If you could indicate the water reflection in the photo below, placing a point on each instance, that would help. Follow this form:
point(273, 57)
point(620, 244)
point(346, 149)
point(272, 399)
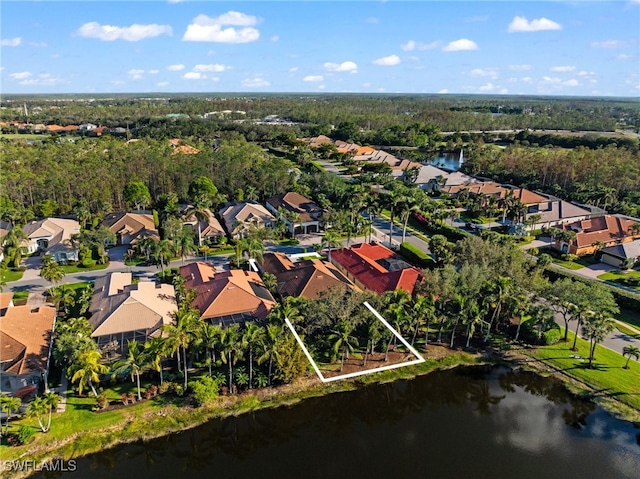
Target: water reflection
point(467, 422)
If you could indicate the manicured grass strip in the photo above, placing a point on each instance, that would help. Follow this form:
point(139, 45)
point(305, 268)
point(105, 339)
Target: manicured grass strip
point(20, 296)
point(629, 316)
point(13, 275)
point(568, 264)
point(627, 331)
point(607, 376)
point(616, 275)
point(72, 268)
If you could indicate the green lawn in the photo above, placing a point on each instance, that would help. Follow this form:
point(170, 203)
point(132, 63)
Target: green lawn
point(13, 274)
point(567, 264)
point(607, 376)
point(20, 296)
point(23, 136)
point(72, 268)
point(621, 277)
point(628, 316)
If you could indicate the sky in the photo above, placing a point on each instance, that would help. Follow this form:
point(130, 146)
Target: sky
point(579, 48)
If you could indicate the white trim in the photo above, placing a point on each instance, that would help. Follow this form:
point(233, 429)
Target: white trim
point(419, 359)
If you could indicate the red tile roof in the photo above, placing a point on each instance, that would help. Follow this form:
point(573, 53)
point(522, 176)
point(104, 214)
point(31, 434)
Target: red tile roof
point(376, 267)
point(607, 229)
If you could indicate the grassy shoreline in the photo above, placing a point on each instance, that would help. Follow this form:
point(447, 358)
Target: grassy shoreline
point(140, 423)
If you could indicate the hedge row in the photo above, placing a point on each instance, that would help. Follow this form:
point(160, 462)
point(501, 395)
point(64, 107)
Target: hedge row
point(415, 255)
point(625, 299)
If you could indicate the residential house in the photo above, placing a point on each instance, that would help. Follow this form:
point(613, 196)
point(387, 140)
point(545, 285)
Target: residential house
point(595, 233)
point(227, 297)
point(308, 277)
point(488, 188)
point(130, 228)
point(431, 178)
point(555, 212)
point(623, 256)
point(375, 267)
point(6, 301)
point(304, 215)
point(178, 147)
point(52, 236)
point(122, 311)
point(315, 142)
point(25, 336)
point(240, 216)
point(210, 229)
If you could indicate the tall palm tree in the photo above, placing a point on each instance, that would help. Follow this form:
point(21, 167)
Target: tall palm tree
point(146, 246)
point(13, 248)
point(9, 405)
point(156, 351)
point(630, 351)
point(181, 333)
point(184, 244)
point(392, 201)
point(500, 289)
point(86, 369)
point(51, 270)
point(343, 341)
point(162, 254)
point(199, 210)
point(135, 363)
point(596, 327)
point(232, 349)
point(252, 337)
point(270, 346)
point(209, 337)
point(330, 240)
point(63, 295)
point(423, 308)
point(42, 406)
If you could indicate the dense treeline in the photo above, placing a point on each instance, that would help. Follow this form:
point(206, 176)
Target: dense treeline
point(368, 112)
point(606, 177)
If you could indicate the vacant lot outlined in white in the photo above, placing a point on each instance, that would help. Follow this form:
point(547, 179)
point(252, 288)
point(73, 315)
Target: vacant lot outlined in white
point(419, 359)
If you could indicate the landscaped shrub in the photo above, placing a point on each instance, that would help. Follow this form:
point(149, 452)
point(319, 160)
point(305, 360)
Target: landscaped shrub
point(534, 251)
point(205, 391)
point(552, 336)
point(25, 434)
point(569, 257)
point(415, 255)
point(164, 388)
point(102, 401)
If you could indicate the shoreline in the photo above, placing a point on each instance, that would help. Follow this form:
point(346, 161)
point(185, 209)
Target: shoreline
point(171, 419)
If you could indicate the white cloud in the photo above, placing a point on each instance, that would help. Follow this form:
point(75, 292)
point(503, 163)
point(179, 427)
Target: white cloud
point(11, 42)
point(366, 85)
point(572, 82)
point(321, 87)
point(38, 44)
point(487, 87)
point(387, 61)
point(153, 72)
point(255, 82)
point(461, 45)
point(217, 67)
point(194, 76)
point(563, 69)
point(526, 79)
point(519, 68)
point(521, 24)
point(209, 29)
point(135, 74)
point(313, 78)
point(609, 44)
point(175, 68)
point(275, 38)
point(20, 75)
point(293, 69)
point(45, 79)
point(347, 66)
point(117, 82)
point(412, 45)
point(624, 56)
point(162, 83)
point(584, 73)
point(443, 91)
point(490, 72)
point(133, 33)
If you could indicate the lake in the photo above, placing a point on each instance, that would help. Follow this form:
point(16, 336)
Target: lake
point(467, 422)
point(447, 160)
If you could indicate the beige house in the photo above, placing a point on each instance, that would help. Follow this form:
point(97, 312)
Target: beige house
point(51, 236)
point(623, 256)
point(240, 216)
point(131, 227)
point(307, 214)
point(210, 230)
point(122, 311)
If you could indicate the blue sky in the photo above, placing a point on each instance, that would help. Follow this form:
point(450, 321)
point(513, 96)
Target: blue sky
point(585, 48)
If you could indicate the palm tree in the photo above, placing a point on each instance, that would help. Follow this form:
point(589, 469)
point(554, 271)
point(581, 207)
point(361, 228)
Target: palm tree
point(146, 246)
point(330, 240)
point(41, 406)
point(423, 307)
point(231, 349)
point(500, 290)
point(270, 346)
point(630, 351)
point(392, 201)
point(209, 337)
point(162, 253)
point(51, 270)
point(241, 245)
point(255, 249)
point(86, 369)
point(65, 295)
point(9, 405)
point(156, 351)
point(596, 327)
point(199, 210)
point(184, 244)
point(181, 333)
point(252, 337)
point(135, 363)
point(407, 207)
point(13, 248)
point(342, 340)
point(372, 329)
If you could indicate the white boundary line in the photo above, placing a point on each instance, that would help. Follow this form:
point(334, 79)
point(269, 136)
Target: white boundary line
point(419, 359)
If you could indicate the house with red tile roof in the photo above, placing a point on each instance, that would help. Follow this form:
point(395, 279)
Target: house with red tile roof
point(375, 267)
point(227, 297)
point(593, 233)
point(308, 277)
point(25, 336)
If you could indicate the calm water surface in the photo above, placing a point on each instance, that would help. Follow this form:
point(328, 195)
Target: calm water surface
point(448, 161)
point(465, 423)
